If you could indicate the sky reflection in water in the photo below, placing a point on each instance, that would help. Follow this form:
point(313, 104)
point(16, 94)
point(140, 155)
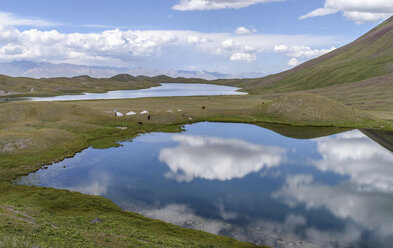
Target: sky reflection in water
point(166, 89)
point(246, 182)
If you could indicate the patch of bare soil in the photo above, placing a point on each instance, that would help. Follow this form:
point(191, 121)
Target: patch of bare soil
point(15, 145)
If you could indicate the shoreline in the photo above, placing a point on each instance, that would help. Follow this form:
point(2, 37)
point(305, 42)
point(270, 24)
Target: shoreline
point(78, 125)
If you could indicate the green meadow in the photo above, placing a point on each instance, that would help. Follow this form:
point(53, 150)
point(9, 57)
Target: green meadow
point(349, 88)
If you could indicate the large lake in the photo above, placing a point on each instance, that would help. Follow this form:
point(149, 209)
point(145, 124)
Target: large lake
point(166, 89)
point(246, 182)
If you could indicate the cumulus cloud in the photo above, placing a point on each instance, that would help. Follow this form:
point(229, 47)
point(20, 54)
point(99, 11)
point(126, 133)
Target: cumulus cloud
point(52, 45)
point(243, 56)
point(305, 52)
point(293, 62)
point(120, 48)
point(185, 5)
point(228, 44)
point(216, 158)
point(300, 52)
point(357, 10)
point(237, 51)
point(9, 19)
point(244, 31)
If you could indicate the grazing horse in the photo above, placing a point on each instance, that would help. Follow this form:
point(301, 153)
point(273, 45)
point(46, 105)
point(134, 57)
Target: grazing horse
point(203, 107)
point(140, 123)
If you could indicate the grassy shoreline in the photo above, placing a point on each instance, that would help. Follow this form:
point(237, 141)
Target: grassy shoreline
point(346, 88)
point(71, 212)
point(33, 134)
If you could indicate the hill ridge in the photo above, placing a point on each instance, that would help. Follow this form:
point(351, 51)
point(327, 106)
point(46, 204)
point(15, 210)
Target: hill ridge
point(376, 45)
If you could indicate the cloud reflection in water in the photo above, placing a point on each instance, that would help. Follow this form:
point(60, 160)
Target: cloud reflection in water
point(366, 197)
point(213, 158)
point(97, 183)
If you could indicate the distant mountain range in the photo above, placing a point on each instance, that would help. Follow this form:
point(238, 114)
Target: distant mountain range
point(25, 68)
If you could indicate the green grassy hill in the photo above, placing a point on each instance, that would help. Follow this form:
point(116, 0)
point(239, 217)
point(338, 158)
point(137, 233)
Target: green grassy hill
point(22, 86)
point(369, 56)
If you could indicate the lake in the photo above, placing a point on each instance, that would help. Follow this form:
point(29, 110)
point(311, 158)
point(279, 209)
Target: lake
point(166, 89)
point(246, 182)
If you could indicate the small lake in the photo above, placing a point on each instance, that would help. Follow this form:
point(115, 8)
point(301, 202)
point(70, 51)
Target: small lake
point(165, 90)
point(245, 182)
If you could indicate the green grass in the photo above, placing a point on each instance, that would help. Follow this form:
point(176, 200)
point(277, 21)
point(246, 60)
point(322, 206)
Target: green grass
point(373, 96)
point(36, 133)
point(368, 57)
point(311, 109)
point(349, 88)
point(32, 216)
point(18, 86)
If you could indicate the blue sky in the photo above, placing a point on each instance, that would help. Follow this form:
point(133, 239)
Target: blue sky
point(229, 36)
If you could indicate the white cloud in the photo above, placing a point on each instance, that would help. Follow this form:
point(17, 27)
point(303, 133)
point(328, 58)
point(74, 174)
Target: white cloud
point(216, 158)
point(243, 56)
point(238, 51)
point(9, 19)
point(228, 43)
point(52, 45)
point(185, 5)
point(357, 10)
point(301, 51)
point(244, 31)
point(319, 12)
point(293, 62)
point(361, 17)
point(196, 39)
point(121, 48)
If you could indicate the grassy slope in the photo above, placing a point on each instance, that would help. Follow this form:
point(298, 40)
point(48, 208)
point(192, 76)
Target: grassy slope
point(36, 133)
point(29, 129)
point(17, 86)
point(44, 217)
point(369, 56)
point(359, 74)
point(374, 95)
point(301, 109)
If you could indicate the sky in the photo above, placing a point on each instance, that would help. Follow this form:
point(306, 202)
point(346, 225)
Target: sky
point(227, 36)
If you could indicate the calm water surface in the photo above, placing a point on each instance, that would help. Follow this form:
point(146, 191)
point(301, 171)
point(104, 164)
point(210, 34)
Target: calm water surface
point(166, 89)
point(246, 182)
